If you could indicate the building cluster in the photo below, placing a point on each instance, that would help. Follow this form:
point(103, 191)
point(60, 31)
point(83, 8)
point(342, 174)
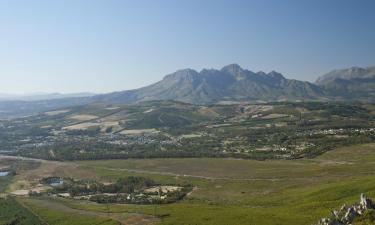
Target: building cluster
point(338, 131)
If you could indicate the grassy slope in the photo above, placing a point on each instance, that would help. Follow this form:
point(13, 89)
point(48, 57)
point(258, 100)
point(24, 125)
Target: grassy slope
point(294, 206)
point(4, 182)
point(11, 212)
point(62, 218)
point(270, 192)
point(238, 191)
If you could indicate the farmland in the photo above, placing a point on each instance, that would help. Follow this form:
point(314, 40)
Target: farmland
point(168, 129)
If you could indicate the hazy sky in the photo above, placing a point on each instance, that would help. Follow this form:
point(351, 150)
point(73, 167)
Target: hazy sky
point(101, 46)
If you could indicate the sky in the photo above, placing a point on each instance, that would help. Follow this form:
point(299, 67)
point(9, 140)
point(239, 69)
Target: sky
point(101, 46)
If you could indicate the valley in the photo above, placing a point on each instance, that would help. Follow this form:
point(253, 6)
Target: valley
point(245, 112)
point(174, 129)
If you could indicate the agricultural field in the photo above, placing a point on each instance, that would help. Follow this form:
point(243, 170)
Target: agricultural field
point(290, 192)
point(168, 129)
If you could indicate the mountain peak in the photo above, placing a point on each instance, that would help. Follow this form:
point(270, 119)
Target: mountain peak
point(348, 74)
point(276, 75)
point(232, 68)
point(186, 70)
point(183, 74)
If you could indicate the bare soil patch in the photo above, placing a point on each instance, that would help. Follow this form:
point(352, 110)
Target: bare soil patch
point(56, 112)
point(83, 117)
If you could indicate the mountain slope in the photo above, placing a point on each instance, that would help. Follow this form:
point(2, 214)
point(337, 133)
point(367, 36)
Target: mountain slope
point(231, 83)
point(353, 83)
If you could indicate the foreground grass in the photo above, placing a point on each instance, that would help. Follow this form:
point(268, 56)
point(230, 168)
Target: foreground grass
point(303, 205)
point(232, 181)
point(249, 192)
point(345, 161)
point(230, 191)
point(11, 212)
point(4, 182)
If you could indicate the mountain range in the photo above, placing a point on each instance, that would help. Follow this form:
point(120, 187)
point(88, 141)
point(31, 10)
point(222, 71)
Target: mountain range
point(41, 96)
point(353, 83)
point(228, 84)
point(231, 83)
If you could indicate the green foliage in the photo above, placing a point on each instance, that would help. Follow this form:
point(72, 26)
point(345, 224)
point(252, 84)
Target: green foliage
point(368, 218)
point(4, 182)
point(128, 189)
point(13, 213)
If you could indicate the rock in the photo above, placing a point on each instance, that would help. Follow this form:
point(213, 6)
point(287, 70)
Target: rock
point(365, 202)
point(336, 214)
point(345, 215)
point(350, 214)
point(324, 221)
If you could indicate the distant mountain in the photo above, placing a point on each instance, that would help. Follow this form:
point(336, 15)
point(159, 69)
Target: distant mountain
point(353, 83)
point(23, 105)
point(12, 109)
point(231, 83)
point(41, 96)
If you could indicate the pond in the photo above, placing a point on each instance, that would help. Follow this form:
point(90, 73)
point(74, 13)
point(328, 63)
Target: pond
point(4, 173)
point(56, 182)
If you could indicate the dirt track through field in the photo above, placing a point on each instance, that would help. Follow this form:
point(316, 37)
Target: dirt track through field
point(212, 178)
point(31, 211)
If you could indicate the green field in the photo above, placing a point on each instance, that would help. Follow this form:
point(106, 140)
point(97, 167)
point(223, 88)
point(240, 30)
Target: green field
point(227, 191)
point(4, 182)
point(57, 216)
point(253, 192)
point(12, 212)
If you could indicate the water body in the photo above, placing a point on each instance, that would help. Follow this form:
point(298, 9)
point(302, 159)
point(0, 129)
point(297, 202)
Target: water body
point(3, 174)
point(56, 182)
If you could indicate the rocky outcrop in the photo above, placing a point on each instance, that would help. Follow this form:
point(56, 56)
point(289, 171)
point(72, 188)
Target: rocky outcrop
point(346, 214)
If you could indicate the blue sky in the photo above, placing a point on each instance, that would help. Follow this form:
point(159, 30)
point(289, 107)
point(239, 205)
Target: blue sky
point(107, 45)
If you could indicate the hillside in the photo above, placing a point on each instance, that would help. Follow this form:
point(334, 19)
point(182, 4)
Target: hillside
point(226, 191)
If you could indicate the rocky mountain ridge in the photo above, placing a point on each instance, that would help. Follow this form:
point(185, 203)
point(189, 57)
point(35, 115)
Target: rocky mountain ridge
point(352, 83)
point(231, 83)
